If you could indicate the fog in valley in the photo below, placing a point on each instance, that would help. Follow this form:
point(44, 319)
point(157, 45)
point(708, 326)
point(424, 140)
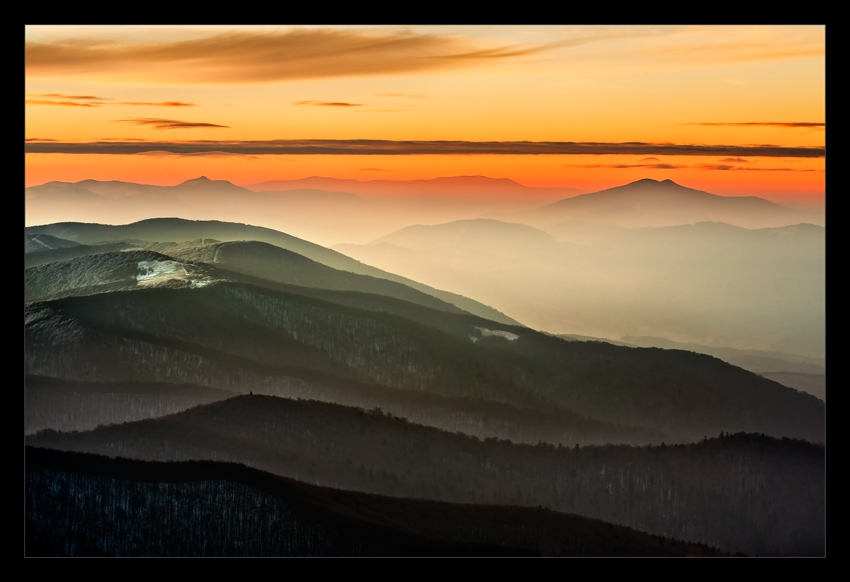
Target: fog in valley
point(650, 258)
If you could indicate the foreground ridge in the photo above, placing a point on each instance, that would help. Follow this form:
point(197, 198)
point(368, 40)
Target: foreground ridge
point(204, 508)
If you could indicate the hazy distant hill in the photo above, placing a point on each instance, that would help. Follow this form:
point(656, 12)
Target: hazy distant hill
point(648, 202)
point(463, 186)
point(321, 210)
point(713, 492)
point(92, 200)
point(174, 229)
point(706, 283)
point(231, 510)
point(504, 240)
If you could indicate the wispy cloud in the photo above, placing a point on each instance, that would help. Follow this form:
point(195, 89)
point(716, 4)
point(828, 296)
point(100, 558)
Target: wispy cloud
point(713, 44)
point(92, 101)
point(726, 167)
point(719, 167)
point(735, 160)
point(264, 56)
point(63, 96)
point(170, 123)
point(388, 147)
point(804, 124)
point(61, 103)
point(159, 104)
point(120, 139)
point(328, 103)
point(210, 154)
point(628, 166)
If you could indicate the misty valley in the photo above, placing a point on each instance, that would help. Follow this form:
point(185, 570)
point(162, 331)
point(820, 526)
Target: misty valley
point(638, 371)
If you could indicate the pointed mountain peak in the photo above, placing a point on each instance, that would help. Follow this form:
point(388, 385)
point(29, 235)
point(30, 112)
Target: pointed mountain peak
point(195, 181)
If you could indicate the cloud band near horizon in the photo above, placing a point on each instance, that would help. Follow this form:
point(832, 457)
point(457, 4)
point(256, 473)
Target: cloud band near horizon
point(390, 147)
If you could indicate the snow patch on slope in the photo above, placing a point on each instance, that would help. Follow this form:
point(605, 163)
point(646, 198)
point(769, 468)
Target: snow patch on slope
point(153, 272)
point(496, 332)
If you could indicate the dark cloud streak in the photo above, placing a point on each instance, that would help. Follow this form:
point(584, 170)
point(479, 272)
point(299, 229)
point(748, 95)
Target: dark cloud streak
point(387, 147)
point(170, 123)
point(628, 166)
point(63, 96)
point(62, 103)
point(328, 104)
point(97, 101)
point(160, 104)
point(807, 124)
point(725, 167)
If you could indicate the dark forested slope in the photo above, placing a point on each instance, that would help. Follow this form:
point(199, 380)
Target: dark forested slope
point(743, 492)
point(243, 338)
point(115, 507)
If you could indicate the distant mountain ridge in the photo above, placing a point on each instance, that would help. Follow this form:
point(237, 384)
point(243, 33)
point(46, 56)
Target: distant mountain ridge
point(445, 186)
point(649, 202)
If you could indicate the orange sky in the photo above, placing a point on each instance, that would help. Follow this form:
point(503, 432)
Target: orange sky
point(690, 86)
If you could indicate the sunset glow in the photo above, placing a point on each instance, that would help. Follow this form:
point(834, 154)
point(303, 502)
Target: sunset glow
point(733, 86)
point(384, 291)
